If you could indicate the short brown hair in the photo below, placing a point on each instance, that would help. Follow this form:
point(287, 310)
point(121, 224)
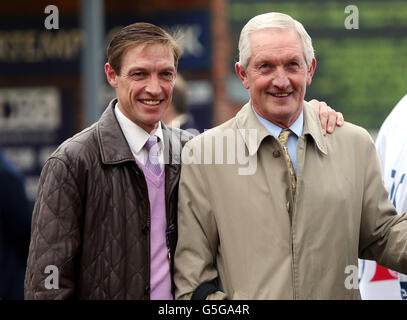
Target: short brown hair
point(140, 33)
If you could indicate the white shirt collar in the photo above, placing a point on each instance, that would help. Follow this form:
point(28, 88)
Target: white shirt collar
point(137, 137)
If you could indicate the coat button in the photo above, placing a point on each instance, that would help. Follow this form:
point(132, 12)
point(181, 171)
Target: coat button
point(147, 290)
point(276, 153)
point(145, 229)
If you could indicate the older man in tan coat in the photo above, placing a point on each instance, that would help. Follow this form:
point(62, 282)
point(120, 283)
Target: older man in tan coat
point(269, 207)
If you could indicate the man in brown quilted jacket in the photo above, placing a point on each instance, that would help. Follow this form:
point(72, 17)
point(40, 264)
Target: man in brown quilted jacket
point(105, 215)
point(104, 222)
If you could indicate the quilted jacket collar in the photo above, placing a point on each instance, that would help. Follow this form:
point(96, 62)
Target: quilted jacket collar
point(112, 143)
point(114, 148)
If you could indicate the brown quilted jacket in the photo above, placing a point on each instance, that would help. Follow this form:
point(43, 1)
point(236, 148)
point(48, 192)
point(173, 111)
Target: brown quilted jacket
point(91, 217)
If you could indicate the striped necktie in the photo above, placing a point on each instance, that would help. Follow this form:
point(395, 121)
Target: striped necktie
point(152, 162)
point(283, 137)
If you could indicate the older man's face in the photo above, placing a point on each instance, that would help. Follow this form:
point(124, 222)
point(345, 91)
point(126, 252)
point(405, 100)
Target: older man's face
point(144, 86)
point(277, 75)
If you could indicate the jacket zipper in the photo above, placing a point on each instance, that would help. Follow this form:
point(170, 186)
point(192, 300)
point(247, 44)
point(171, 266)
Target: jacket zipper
point(170, 226)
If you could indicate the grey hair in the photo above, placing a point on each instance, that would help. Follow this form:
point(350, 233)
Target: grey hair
point(273, 20)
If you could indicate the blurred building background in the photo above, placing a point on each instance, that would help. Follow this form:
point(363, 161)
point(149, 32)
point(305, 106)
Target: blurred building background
point(49, 89)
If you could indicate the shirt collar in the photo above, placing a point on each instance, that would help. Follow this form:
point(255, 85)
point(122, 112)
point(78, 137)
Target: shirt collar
point(275, 130)
point(247, 120)
point(136, 136)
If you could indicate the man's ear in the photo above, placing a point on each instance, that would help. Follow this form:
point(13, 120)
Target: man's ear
point(174, 79)
point(241, 72)
point(311, 70)
point(111, 75)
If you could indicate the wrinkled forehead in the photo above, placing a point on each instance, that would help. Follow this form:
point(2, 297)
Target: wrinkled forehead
point(274, 41)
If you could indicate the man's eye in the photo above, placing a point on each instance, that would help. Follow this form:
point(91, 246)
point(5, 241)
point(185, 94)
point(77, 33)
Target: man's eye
point(264, 66)
point(137, 74)
point(294, 64)
point(167, 74)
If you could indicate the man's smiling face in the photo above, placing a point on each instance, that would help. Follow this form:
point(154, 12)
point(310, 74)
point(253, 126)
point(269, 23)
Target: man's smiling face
point(144, 86)
point(277, 75)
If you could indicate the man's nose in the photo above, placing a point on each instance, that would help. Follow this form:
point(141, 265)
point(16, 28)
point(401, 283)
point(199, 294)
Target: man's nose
point(153, 86)
point(280, 79)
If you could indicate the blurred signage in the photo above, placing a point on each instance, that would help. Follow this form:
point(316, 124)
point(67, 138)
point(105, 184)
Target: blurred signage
point(30, 48)
point(28, 110)
point(194, 28)
point(31, 128)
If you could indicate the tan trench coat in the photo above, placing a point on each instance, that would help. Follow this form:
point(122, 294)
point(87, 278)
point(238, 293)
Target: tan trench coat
point(247, 232)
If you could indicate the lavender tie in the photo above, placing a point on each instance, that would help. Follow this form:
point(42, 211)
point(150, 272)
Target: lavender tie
point(152, 162)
